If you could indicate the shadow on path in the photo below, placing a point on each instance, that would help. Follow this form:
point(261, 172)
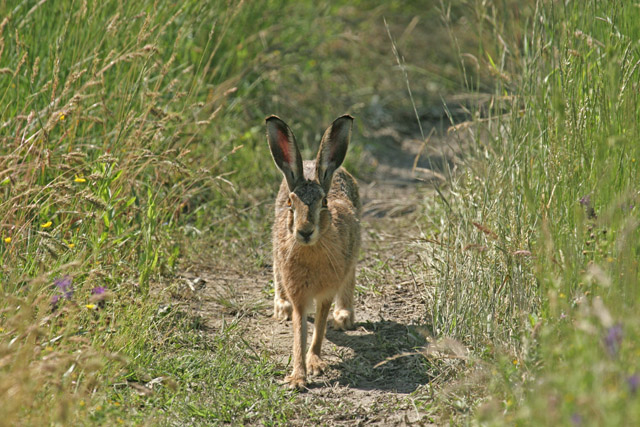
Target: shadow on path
point(376, 342)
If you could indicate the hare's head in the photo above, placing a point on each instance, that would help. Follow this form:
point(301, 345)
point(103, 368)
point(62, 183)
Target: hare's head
point(308, 205)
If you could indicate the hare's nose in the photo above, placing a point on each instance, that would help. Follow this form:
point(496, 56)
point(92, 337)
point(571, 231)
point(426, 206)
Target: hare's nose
point(306, 235)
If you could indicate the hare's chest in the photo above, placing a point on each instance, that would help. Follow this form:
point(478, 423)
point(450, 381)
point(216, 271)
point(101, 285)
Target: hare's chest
point(312, 275)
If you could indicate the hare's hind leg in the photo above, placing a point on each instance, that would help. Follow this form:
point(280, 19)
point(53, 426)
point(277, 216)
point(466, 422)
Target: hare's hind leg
point(343, 315)
point(315, 365)
point(281, 307)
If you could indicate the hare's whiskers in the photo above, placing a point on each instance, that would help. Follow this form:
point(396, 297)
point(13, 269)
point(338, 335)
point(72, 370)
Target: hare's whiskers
point(328, 254)
point(292, 247)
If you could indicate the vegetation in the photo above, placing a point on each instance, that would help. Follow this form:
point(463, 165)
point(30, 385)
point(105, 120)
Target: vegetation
point(131, 140)
point(550, 212)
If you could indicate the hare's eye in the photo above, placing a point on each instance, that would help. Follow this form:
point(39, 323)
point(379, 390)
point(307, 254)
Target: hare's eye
point(288, 202)
point(324, 202)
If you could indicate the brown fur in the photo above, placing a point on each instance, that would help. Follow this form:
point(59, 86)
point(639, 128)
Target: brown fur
point(322, 268)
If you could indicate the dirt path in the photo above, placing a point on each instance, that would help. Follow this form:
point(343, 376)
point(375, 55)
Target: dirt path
point(362, 385)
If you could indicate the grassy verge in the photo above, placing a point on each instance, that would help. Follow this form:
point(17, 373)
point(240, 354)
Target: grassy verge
point(110, 141)
point(103, 106)
point(537, 264)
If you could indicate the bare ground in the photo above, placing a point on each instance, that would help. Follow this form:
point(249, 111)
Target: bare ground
point(372, 378)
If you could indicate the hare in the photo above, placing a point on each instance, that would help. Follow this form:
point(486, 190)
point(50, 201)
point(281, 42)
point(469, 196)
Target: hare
point(316, 239)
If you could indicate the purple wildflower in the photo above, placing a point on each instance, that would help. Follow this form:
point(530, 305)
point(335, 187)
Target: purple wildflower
point(99, 294)
point(613, 339)
point(576, 419)
point(585, 200)
point(64, 283)
point(54, 300)
point(633, 381)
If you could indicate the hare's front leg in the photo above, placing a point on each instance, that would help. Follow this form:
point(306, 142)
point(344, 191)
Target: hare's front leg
point(298, 377)
point(315, 365)
point(281, 307)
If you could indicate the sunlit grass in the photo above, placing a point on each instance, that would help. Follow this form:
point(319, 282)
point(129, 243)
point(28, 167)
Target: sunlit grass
point(101, 104)
point(538, 259)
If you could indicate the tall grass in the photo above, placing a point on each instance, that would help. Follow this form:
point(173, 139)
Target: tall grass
point(538, 260)
point(102, 107)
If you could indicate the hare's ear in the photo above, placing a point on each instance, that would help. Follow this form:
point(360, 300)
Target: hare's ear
point(284, 150)
point(333, 149)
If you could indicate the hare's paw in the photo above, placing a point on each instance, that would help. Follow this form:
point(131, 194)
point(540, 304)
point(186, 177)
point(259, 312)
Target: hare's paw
point(343, 319)
point(295, 382)
point(315, 365)
point(282, 309)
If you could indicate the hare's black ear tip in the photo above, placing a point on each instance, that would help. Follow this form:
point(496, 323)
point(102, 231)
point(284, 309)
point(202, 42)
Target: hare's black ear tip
point(271, 118)
point(345, 117)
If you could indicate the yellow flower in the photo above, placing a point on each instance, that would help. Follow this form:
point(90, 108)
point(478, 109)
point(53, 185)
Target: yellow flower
point(515, 362)
point(562, 295)
point(46, 224)
point(71, 245)
point(79, 179)
point(7, 239)
point(90, 306)
point(61, 117)
point(82, 403)
point(1, 329)
point(48, 348)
